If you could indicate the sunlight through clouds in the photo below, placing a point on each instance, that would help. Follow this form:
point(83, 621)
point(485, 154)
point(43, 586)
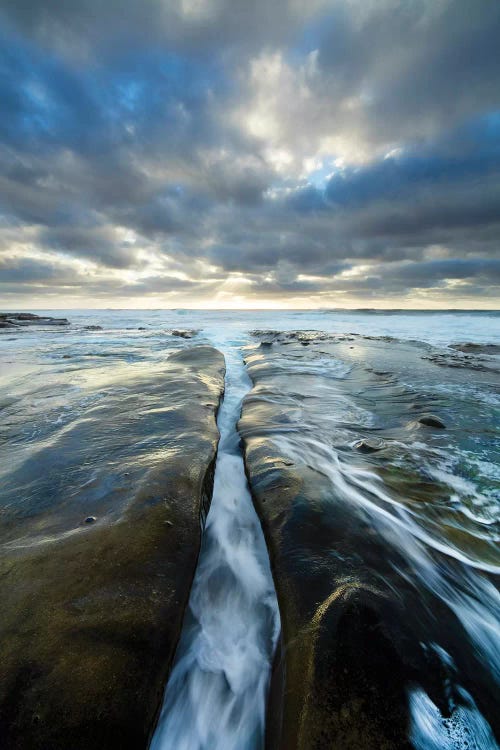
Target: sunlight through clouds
point(173, 150)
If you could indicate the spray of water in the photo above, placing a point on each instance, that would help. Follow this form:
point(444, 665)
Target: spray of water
point(475, 601)
point(216, 695)
point(465, 728)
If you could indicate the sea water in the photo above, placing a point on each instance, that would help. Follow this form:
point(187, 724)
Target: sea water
point(216, 694)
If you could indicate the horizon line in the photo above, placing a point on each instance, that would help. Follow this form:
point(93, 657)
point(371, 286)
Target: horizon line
point(260, 309)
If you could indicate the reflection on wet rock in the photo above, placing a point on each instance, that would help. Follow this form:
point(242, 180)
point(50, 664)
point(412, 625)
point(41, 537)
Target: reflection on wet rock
point(368, 446)
point(184, 333)
point(470, 357)
point(430, 420)
point(19, 320)
point(100, 533)
point(382, 535)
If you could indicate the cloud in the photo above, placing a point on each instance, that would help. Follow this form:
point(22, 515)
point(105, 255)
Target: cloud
point(291, 151)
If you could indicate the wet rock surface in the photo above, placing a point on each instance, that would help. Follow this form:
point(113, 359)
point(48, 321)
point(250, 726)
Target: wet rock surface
point(471, 347)
point(183, 333)
point(430, 420)
point(368, 446)
point(382, 567)
point(99, 534)
point(18, 320)
point(478, 357)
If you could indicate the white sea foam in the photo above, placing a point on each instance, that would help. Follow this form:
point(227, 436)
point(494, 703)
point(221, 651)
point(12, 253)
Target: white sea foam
point(473, 599)
point(464, 729)
point(216, 695)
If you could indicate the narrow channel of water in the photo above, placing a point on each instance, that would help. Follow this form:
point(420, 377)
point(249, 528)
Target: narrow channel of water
point(216, 695)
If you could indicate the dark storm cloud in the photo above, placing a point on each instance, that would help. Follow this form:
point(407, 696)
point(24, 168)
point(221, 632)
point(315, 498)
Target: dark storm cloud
point(399, 178)
point(420, 65)
point(199, 27)
point(435, 271)
point(27, 271)
point(182, 137)
point(95, 243)
point(45, 278)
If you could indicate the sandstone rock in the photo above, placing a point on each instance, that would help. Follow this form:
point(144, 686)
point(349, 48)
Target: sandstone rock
point(430, 420)
point(476, 360)
point(91, 613)
point(329, 684)
point(183, 334)
point(368, 446)
point(14, 320)
point(329, 687)
point(469, 347)
point(354, 613)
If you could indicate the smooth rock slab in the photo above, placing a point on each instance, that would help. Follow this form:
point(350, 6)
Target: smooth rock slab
point(91, 612)
point(430, 420)
point(16, 320)
point(358, 614)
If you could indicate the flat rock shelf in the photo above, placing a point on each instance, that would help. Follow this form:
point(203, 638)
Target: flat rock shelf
point(97, 563)
point(384, 579)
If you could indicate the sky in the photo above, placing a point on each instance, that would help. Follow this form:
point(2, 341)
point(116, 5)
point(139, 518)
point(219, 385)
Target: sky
point(249, 153)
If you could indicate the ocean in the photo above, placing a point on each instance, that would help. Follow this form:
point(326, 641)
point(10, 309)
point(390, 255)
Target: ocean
point(52, 378)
